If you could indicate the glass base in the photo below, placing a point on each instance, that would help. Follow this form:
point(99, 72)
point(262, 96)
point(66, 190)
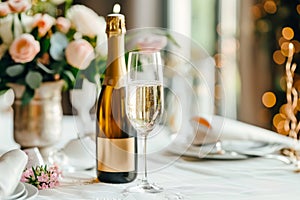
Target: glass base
point(144, 188)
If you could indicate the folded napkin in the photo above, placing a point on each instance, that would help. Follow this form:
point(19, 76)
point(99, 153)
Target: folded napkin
point(12, 164)
point(213, 128)
point(6, 99)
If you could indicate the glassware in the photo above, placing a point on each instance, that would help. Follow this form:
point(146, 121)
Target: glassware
point(144, 103)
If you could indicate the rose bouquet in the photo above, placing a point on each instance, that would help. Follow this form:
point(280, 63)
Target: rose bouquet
point(49, 40)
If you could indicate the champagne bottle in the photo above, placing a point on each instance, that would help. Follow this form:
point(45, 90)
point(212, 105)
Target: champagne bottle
point(116, 141)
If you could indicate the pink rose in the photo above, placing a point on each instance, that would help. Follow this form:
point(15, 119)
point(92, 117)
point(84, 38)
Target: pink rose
point(80, 53)
point(19, 5)
point(63, 24)
point(151, 42)
point(44, 23)
point(24, 48)
point(4, 9)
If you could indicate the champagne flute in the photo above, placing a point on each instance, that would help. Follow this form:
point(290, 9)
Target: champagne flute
point(144, 103)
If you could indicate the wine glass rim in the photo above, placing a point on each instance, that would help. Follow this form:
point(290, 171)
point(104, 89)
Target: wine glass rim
point(144, 52)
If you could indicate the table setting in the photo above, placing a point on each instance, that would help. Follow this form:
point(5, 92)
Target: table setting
point(182, 171)
point(148, 132)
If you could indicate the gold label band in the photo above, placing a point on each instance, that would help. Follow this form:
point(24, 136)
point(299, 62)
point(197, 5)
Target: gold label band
point(116, 155)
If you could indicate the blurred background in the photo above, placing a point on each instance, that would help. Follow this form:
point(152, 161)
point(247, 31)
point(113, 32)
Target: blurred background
point(248, 40)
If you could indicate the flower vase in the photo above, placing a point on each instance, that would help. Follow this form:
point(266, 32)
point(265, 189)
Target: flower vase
point(38, 123)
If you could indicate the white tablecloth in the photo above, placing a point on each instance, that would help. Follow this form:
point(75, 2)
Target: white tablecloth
point(255, 178)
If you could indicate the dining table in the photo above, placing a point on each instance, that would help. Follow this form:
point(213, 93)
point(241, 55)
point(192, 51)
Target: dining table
point(181, 176)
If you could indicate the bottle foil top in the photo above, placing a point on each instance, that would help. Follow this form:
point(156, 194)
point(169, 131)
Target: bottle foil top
point(115, 24)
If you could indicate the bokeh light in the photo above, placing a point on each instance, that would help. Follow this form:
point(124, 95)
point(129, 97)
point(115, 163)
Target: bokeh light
point(263, 26)
point(282, 40)
point(282, 83)
point(269, 99)
point(278, 57)
point(285, 49)
point(270, 7)
point(277, 119)
point(288, 33)
point(296, 44)
point(256, 11)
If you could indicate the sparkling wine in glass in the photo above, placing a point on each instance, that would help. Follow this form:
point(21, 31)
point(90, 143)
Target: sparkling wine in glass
point(144, 103)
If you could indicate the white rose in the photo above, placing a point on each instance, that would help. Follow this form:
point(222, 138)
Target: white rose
point(86, 21)
point(101, 46)
point(18, 29)
point(6, 34)
point(3, 49)
point(57, 2)
point(27, 22)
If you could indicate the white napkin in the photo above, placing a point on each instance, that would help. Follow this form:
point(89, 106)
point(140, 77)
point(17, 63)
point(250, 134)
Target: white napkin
point(6, 99)
point(221, 128)
point(12, 164)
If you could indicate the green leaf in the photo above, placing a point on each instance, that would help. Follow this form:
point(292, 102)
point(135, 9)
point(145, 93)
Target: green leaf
point(33, 79)
point(15, 70)
point(44, 68)
point(2, 92)
point(45, 45)
point(27, 95)
point(58, 43)
point(71, 78)
point(68, 5)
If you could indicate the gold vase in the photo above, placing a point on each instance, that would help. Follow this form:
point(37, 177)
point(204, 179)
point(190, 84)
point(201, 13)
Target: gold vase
point(38, 124)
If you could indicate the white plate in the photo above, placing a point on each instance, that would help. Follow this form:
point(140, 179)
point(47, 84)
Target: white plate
point(20, 189)
point(32, 191)
point(251, 148)
point(234, 150)
point(23, 196)
point(195, 151)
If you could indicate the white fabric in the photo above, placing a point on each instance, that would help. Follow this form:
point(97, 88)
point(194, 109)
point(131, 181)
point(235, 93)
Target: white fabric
point(12, 164)
point(228, 129)
point(6, 99)
point(194, 179)
point(255, 178)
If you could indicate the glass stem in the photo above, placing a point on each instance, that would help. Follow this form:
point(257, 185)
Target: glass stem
point(145, 175)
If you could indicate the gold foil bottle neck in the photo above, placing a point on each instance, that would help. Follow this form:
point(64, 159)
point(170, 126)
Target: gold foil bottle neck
point(115, 24)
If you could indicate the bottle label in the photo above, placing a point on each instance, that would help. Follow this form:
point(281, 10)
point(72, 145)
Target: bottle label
point(116, 155)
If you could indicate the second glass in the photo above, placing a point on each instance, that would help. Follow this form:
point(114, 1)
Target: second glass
point(144, 103)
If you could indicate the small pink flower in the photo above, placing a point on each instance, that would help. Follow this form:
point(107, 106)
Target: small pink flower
point(4, 9)
point(53, 176)
point(24, 177)
point(63, 24)
point(24, 48)
point(151, 42)
point(43, 177)
point(43, 186)
point(44, 22)
point(18, 6)
point(80, 53)
point(52, 184)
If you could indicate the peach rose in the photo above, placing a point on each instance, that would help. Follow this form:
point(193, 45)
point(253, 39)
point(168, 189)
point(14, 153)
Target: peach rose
point(63, 24)
point(19, 5)
point(80, 53)
point(44, 23)
point(4, 9)
point(24, 48)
